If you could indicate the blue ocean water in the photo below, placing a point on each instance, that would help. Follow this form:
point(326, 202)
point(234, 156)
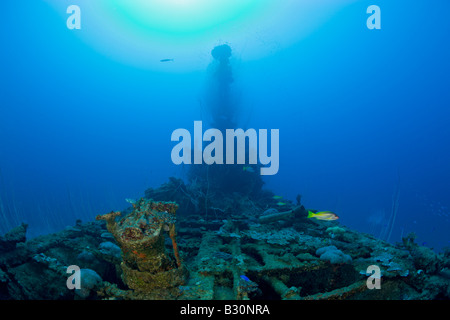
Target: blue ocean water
point(86, 115)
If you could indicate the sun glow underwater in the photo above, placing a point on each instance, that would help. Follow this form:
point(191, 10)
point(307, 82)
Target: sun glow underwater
point(151, 31)
point(180, 18)
point(142, 33)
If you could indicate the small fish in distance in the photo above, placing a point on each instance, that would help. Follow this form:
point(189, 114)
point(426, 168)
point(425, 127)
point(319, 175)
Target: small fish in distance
point(166, 60)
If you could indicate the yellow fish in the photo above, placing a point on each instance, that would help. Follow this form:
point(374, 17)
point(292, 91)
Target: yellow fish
point(323, 215)
point(277, 197)
point(281, 203)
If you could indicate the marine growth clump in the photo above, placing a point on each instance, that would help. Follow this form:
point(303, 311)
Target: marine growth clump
point(147, 268)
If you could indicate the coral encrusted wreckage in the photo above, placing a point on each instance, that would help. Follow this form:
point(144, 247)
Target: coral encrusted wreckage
point(147, 268)
point(165, 250)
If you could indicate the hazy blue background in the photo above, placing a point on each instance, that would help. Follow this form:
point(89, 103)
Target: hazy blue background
point(86, 115)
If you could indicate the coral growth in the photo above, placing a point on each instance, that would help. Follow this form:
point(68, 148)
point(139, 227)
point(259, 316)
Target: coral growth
point(147, 267)
point(253, 252)
point(333, 255)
